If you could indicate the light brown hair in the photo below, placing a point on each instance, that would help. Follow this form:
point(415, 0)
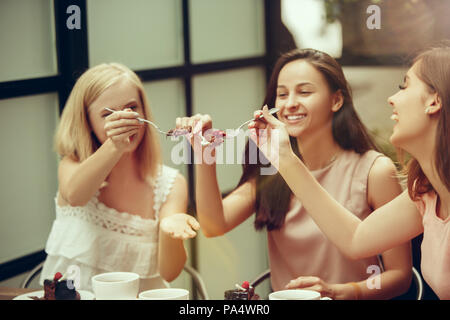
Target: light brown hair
point(433, 68)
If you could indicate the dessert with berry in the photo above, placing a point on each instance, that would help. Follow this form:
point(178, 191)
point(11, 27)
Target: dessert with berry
point(59, 289)
point(244, 292)
point(216, 135)
point(212, 136)
point(179, 132)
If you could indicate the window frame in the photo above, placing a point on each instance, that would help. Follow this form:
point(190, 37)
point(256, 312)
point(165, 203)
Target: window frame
point(73, 59)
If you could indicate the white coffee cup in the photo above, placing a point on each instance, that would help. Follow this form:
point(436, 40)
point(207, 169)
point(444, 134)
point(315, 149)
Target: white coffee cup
point(165, 294)
point(116, 286)
point(296, 294)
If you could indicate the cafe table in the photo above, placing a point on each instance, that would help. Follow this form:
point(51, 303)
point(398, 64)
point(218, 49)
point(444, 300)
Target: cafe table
point(7, 293)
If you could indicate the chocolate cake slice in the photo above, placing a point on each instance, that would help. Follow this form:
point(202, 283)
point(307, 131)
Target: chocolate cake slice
point(64, 291)
point(244, 292)
point(57, 289)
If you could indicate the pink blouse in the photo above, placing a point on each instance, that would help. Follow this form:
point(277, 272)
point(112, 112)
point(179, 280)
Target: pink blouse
point(300, 248)
point(435, 263)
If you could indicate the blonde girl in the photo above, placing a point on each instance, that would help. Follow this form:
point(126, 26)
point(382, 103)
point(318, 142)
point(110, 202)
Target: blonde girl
point(118, 208)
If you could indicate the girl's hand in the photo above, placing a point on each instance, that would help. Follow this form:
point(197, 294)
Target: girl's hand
point(313, 283)
point(201, 125)
point(120, 126)
point(197, 125)
point(180, 226)
point(270, 135)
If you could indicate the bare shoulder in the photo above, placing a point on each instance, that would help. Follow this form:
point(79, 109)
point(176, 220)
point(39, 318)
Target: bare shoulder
point(383, 183)
point(384, 167)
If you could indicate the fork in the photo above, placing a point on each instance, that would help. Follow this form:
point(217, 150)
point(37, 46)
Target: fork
point(142, 120)
point(204, 141)
point(235, 132)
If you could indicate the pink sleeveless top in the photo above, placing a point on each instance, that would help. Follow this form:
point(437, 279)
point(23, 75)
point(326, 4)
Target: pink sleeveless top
point(435, 261)
point(300, 248)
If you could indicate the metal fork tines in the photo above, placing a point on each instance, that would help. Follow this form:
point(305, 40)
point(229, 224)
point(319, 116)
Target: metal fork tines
point(236, 131)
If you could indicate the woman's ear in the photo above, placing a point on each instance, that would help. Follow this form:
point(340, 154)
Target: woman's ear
point(434, 104)
point(338, 101)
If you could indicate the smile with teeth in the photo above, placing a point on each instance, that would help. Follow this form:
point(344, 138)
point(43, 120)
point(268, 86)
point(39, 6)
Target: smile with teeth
point(295, 117)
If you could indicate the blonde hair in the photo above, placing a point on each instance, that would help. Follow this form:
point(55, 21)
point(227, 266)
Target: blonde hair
point(74, 137)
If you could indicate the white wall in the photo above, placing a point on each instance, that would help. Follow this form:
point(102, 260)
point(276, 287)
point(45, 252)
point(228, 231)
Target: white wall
point(34, 55)
point(371, 87)
point(28, 168)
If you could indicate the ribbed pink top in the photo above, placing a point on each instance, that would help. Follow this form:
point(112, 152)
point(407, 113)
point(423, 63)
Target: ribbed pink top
point(435, 263)
point(300, 248)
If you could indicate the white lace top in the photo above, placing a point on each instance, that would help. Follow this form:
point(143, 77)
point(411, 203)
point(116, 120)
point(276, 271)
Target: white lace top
point(98, 239)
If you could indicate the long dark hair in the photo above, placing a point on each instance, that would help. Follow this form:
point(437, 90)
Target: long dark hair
point(272, 193)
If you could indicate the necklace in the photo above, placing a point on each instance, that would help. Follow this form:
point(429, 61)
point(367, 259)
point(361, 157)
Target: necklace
point(334, 157)
point(329, 162)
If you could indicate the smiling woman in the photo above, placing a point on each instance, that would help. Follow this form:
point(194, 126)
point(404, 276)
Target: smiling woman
point(426, 83)
point(311, 84)
point(316, 109)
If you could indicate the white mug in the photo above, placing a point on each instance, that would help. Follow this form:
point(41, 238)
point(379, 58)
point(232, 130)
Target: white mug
point(296, 294)
point(165, 294)
point(115, 286)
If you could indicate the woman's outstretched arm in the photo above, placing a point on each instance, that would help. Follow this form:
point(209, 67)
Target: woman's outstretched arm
point(389, 226)
point(79, 181)
point(216, 215)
